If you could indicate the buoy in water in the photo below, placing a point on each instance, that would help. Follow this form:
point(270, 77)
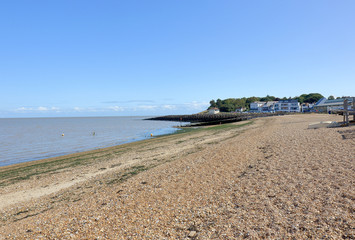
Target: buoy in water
point(151, 134)
point(62, 134)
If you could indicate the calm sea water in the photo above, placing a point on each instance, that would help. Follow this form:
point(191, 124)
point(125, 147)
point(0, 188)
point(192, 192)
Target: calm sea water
point(28, 139)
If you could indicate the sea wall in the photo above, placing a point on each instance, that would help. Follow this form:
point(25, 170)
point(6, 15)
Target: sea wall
point(214, 118)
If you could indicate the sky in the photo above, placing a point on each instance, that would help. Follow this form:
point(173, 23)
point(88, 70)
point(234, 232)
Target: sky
point(157, 57)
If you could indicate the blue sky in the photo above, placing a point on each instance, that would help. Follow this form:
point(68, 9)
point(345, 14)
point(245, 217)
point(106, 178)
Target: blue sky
point(113, 58)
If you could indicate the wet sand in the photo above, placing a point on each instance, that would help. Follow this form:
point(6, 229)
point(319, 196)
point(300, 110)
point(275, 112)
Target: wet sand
point(273, 178)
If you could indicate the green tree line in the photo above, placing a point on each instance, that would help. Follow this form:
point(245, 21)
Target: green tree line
point(231, 104)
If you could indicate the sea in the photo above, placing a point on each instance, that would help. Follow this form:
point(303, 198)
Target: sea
point(29, 139)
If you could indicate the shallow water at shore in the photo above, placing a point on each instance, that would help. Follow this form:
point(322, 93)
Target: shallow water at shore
point(28, 139)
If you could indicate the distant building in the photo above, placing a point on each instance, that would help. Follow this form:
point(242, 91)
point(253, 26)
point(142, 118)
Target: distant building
point(306, 107)
point(213, 110)
point(325, 105)
point(269, 106)
point(240, 109)
point(256, 106)
point(290, 105)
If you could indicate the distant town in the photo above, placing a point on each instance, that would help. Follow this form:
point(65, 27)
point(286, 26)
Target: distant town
point(313, 102)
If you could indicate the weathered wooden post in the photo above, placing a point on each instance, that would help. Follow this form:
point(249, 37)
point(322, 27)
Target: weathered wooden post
point(353, 110)
point(346, 113)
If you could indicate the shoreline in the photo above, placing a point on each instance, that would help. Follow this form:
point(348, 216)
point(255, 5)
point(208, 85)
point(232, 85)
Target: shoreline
point(73, 154)
point(89, 164)
point(274, 178)
point(180, 130)
point(79, 152)
point(35, 145)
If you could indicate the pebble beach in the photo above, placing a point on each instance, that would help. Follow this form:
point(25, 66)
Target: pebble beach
point(268, 178)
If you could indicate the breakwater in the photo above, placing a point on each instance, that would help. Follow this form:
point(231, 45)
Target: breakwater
point(210, 119)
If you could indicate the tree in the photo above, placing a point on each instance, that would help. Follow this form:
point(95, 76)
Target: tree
point(267, 98)
point(219, 103)
point(301, 98)
point(331, 97)
point(213, 104)
point(313, 97)
point(227, 108)
point(251, 100)
point(230, 104)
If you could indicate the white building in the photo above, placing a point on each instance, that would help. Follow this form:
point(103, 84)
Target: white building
point(325, 105)
point(269, 106)
point(240, 109)
point(276, 106)
point(213, 110)
point(306, 107)
point(291, 105)
point(256, 106)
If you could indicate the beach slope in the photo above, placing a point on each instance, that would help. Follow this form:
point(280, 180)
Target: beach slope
point(270, 178)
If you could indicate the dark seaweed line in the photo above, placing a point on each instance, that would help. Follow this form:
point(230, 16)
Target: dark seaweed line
point(214, 118)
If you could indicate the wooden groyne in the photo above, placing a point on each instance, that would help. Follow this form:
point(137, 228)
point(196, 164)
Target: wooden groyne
point(210, 119)
point(347, 111)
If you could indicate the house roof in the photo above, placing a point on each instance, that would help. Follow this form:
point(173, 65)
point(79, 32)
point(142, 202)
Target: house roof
point(259, 102)
point(321, 101)
point(289, 101)
point(269, 103)
point(334, 102)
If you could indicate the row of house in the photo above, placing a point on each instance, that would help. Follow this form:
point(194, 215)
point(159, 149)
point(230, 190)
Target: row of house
point(327, 105)
point(270, 106)
point(290, 105)
point(215, 110)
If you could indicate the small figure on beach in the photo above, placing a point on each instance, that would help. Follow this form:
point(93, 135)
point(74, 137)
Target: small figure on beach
point(93, 133)
point(62, 134)
point(151, 134)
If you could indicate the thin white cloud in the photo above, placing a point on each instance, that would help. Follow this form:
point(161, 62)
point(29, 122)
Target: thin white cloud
point(169, 107)
point(130, 101)
point(78, 109)
point(148, 107)
point(42, 109)
point(37, 109)
point(161, 109)
point(23, 109)
point(116, 108)
point(99, 109)
point(178, 108)
point(197, 105)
